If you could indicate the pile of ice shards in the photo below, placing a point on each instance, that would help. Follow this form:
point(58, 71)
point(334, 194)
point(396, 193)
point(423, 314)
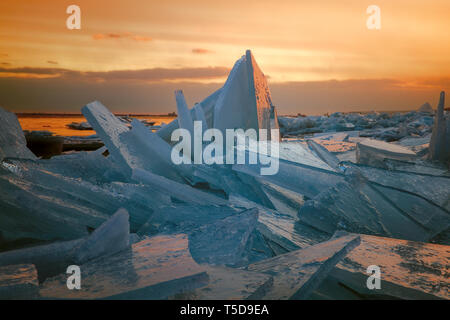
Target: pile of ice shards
point(141, 227)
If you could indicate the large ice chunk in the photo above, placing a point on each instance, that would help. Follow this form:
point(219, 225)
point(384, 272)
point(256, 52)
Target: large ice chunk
point(12, 139)
point(245, 100)
point(135, 148)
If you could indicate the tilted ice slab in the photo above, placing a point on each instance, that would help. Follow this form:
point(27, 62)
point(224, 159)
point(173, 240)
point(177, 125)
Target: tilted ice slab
point(224, 241)
point(131, 149)
point(373, 152)
point(293, 151)
point(86, 204)
point(208, 111)
point(409, 270)
point(245, 100)
point(51, 259)
point(12, 139)
point(430, 187)
point(180, 191)
point(40, 214)
point(184, 218)
point(154, 268)
point(303, 179)
point(297, 274)
point(358, 206)
point(324, 154)
point(18, 282)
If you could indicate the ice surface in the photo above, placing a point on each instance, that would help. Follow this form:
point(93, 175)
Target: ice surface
point(409, 270)
point(12, 139)
point(18, 282)
point(296, 274)
point(223, 242)
point(111, 237)
point(230, 284)
point(154, 268)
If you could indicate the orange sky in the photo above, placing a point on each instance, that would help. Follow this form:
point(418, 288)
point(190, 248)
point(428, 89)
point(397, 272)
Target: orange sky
point(193, 44)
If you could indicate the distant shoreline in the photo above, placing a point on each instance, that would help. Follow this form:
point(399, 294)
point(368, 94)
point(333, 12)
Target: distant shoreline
point(43, 114)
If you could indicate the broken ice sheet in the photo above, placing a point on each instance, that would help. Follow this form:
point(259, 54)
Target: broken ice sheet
point(324, 154)
point(296, 274)
point(358, 206)
point(97, 201)
point(154, 268)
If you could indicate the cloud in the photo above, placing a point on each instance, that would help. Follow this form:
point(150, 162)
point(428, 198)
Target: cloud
point(52, 62)
point(201, 51)
point(5, 64)
point(148, 75)
point(123, 35)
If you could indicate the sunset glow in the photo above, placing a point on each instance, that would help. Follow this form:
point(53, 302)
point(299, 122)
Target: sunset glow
point(192, 45)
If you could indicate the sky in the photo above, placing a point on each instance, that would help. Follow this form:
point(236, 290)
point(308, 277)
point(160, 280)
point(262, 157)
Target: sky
point(319, 56)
